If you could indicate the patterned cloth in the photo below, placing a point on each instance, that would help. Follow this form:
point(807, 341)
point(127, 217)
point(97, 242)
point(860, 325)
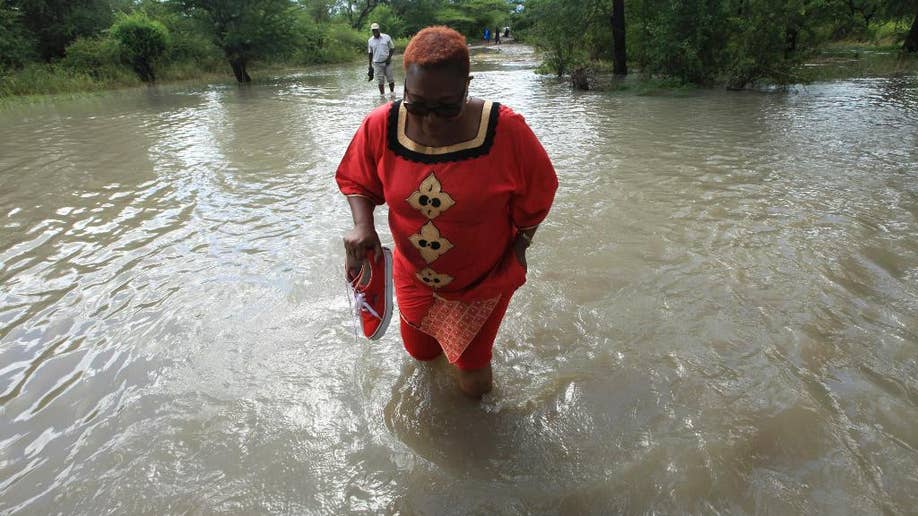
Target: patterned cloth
point(454, 324)
point(454, 211)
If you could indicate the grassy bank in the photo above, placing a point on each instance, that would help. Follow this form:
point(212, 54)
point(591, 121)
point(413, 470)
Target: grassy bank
point(86, 87)
point(36, 80)
point(100, 63)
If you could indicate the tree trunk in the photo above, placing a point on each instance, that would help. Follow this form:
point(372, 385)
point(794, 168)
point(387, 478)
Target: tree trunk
point(790, 42)
point(619, 55)
point(370, 5)
point(144, 70)
point(580, 78)
point(911, 40)
point(239, 70)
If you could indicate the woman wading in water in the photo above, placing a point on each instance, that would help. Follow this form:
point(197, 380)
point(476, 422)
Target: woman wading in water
point(467, 184)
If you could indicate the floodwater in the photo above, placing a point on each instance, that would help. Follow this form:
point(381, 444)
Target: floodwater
point(720, 314)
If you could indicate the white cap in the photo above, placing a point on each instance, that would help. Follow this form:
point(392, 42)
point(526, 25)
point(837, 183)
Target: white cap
point(374, 26)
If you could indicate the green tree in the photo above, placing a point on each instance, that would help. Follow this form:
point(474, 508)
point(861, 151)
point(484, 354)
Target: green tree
point(358, 10)
point(16, 44)
point(319, 10)
point(189, 42)
point(247, 30)
point(685, 39)
point(694, 41)
point(905, 9)
point(56, 23)
point(388, 20)
point(863, 11)
point(470, 17)
point(557, 26)
point(416, 14)
point(144, 42)
point(98, 57)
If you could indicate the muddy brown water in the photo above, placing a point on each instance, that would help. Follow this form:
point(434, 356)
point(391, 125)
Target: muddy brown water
point(720, 316)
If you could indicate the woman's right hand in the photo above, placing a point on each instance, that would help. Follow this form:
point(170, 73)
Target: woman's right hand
point(360, 239)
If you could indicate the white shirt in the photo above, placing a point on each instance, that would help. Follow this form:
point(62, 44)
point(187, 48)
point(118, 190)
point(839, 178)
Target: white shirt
point(380, 47)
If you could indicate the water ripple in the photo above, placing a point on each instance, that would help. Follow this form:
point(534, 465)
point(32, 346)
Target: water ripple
point(723, 300)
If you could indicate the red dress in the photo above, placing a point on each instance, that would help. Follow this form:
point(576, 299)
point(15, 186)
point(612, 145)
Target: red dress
point(453, 211)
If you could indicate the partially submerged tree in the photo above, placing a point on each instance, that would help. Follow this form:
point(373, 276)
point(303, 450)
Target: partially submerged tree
point(557, 27)
point(574, 34)
point(619, 51)
point(906, 9)
point(144, 42)
point(246, 30)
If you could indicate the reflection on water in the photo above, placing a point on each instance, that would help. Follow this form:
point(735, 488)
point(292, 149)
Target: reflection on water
point(720, 315)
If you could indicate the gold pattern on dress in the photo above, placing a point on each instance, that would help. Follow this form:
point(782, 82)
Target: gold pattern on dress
point(431, 278)
point(430, 243)
point(474, 143)
point(429, 198)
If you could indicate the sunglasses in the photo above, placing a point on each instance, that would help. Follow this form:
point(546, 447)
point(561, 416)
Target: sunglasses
point(450, 110)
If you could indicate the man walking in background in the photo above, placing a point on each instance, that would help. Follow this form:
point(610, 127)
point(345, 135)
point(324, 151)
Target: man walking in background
point(380, 49)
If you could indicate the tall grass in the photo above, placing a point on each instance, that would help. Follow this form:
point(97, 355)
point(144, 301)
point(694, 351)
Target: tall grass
point(49, 79)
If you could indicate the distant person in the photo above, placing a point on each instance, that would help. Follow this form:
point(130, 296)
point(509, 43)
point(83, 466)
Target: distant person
point(497, 36)
point(380, 49)
point(487, 35)
point(467, 184)
point(506, 32)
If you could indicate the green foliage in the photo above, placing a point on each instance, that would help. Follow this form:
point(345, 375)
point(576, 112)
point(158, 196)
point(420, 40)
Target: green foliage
point(735, 42)
point(247, 30)
point(556, 26)
point(47, 79)
point(56, 23)
point(343, 43)
point(732, 42)
point(189, 41)
point(312, 43)
point(319, 11)
point(388, 20)
point(144, 42)
point(681, 39)
point(98, 57)
point(416, 14)
point(470, 17)
point(16, 45)
point(327, 43)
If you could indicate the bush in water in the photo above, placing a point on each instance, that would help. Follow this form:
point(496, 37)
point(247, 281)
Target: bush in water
point(144, 42)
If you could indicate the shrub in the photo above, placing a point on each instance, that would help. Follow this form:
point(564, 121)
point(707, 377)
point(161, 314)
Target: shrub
point(342, 43)
point(98, 57)
point(144, 42)
point(311, 40)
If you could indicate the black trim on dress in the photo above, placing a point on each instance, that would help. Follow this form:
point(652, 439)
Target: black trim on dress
point(420, 157)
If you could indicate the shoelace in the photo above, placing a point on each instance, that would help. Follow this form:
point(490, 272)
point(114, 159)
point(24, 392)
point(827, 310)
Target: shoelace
point(358, 302)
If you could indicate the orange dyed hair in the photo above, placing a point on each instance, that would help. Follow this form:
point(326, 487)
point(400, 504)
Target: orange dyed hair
point(438, 47)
